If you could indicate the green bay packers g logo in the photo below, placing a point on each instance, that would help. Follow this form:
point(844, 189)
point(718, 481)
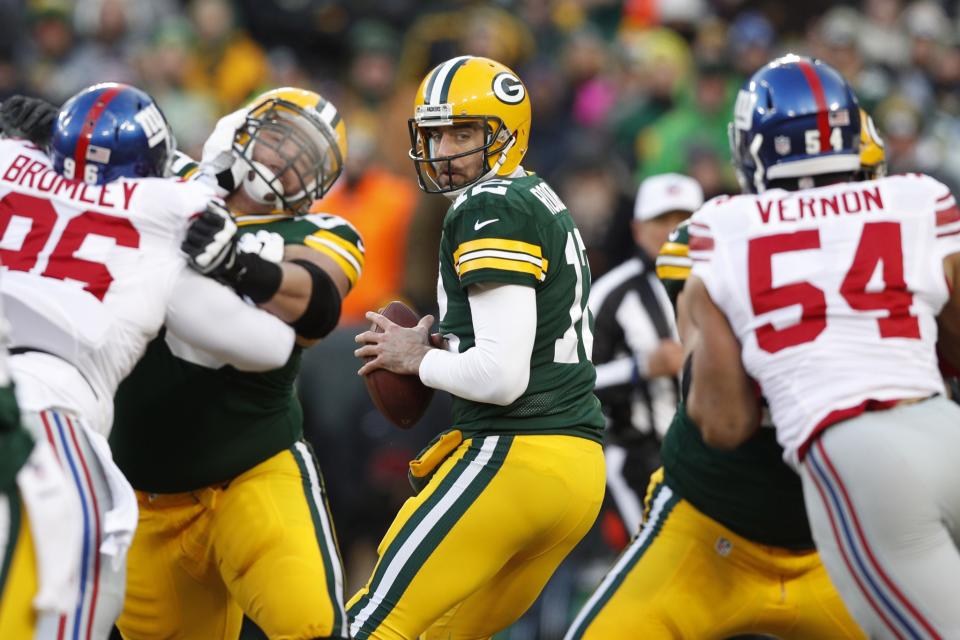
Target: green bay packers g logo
point(508, 88)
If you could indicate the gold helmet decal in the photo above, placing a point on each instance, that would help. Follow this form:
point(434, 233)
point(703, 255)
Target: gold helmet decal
point(294, 144)
point(464, 90)
point(873, 157)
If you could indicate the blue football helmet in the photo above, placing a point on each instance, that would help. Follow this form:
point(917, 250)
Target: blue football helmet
point(110, 131)
point(794, 118)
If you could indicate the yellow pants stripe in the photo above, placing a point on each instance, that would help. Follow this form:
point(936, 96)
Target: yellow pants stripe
point(424, 531)
point(326, 537)
point(661, 505)
point(18, 575)
point(13, 534)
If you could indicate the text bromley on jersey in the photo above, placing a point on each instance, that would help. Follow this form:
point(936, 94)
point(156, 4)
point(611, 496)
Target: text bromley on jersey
point(796, 207)
point(26, 171)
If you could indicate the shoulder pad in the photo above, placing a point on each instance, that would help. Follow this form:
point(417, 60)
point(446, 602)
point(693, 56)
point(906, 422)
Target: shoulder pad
point(337, 239)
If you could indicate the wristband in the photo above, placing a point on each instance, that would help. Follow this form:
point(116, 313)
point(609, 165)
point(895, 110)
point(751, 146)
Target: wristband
point(254, 277)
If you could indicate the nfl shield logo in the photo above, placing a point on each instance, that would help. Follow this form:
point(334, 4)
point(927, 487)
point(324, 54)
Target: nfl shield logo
point(781, 145)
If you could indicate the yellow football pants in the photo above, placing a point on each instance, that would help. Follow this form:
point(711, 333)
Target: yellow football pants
point(18, 574)
point(472, 551)
point(262, 545)
point(686, 576)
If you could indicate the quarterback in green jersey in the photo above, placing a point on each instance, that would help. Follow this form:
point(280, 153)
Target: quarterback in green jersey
point(518, 479)
point(726, 547)
point(233, 512)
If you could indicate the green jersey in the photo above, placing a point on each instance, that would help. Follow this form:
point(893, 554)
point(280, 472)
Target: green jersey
point(517, 231)
point(182, 422)
point(749, 490)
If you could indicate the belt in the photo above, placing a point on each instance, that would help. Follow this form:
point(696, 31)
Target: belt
point(16, 351)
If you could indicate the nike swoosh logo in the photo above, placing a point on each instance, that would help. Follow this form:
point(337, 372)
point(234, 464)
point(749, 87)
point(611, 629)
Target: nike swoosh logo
point(480, 225)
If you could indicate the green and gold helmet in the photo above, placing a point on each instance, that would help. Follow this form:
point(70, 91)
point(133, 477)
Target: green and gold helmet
point(873, 157)
point(309, 136)
point(463, 90)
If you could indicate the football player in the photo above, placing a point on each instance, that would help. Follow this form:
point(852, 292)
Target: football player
point(833, 288)
point(93, 268)
point(506, 493)
point(734, 519)
point(40, 525)
point(233, 511)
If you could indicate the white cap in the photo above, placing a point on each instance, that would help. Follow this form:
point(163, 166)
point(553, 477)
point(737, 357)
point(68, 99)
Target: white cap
point(667, 192)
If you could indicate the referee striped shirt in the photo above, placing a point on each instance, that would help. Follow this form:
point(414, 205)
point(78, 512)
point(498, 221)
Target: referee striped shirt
point(632, 314)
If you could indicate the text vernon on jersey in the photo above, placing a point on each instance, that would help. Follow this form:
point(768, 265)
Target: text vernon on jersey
point(795, 207)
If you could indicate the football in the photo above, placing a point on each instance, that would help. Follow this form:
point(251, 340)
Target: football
point(401, 398)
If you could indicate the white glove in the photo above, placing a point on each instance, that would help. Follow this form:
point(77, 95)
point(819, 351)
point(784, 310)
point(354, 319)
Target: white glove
point(218, 155)
point(266, 244)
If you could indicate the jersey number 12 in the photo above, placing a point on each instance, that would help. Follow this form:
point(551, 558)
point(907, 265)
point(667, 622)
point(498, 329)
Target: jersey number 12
point(565, 348)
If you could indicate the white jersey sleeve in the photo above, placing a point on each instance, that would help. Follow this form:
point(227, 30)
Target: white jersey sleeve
point(251, 339)
point(833, 293)
point(948, 221)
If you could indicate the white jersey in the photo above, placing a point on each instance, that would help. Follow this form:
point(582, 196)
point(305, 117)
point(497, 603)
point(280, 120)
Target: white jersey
point(833, 293)
point(89, 274)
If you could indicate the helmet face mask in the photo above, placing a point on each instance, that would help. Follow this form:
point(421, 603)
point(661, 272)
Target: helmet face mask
point(466, 91)
point(294, 160)
point(436, 173)
point(293, 153)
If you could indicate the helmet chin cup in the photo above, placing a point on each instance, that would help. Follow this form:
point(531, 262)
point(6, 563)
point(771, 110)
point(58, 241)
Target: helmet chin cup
point(256, 186)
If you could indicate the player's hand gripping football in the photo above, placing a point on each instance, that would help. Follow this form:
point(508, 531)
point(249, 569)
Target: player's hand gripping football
point(211, 241)
point(396, 349)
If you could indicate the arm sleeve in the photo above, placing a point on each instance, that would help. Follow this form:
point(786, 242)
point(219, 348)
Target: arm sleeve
point(496, 370)
point(947, 224)
point(211, 317)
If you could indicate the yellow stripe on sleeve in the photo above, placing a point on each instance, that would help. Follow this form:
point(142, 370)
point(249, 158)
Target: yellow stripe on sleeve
point(323, 234)
point(671, 272)
point(497, 243)
point(245, 220)
point(502, 264)
point(675, 249)
point(349, 268)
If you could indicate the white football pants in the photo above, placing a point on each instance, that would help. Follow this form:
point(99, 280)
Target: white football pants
point(105, 502)
point(882, 491)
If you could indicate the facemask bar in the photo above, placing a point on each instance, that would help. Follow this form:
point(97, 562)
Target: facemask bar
point(429, 167)
point(306, 146)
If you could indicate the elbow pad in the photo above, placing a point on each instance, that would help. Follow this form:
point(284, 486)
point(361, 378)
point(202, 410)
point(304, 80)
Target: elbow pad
point(323, 308)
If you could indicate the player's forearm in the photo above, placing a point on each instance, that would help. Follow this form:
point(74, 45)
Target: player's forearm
point(722, 401)
point(252, 341)
point(310, 293)
point(496, 370)
point(290, 300)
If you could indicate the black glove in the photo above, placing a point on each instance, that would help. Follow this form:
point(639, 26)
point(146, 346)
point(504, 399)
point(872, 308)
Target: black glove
point(211, 249)
point(30, 118)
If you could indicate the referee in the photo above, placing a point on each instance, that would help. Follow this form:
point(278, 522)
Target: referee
point(636, 350)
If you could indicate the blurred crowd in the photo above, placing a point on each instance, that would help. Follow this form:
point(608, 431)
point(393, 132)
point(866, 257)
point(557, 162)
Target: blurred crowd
point(621, 89)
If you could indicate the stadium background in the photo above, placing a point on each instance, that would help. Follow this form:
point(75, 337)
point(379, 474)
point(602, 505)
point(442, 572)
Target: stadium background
point(620, 90)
